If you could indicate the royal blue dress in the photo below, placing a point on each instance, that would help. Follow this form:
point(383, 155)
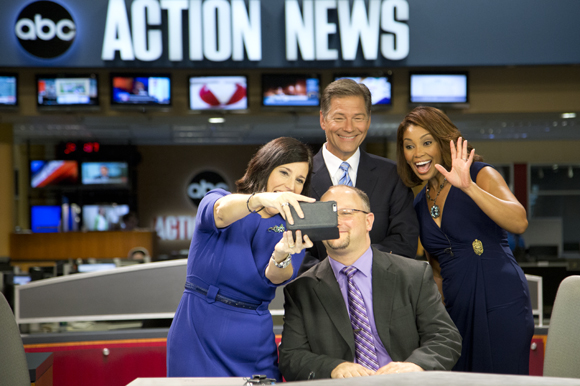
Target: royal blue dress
point(486, 292)
point(209, 338)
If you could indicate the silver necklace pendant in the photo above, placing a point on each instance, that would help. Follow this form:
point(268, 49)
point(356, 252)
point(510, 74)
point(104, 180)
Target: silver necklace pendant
point(435, 211)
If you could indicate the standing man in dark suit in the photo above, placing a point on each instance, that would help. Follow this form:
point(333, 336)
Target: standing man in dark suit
point(345, 116)
point(362, 311)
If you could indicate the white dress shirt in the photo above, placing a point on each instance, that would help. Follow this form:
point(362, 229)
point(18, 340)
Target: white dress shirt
point(333, 163)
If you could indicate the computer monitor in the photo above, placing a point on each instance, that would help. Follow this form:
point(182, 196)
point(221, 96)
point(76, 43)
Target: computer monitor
point(8, 90)
point(380, 86)
point(66, 90)
point(53, 173)
point(216, 93)
point(45, 218)
point(97, 267)
point(290, 90)
point(103, 217)
point(140, 90)
point(439, 89)
point(105, 173)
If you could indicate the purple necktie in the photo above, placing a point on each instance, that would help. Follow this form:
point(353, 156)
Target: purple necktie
point(364, 343)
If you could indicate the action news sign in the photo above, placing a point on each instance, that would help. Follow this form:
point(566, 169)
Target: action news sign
point(237, 34)
point(219, 30)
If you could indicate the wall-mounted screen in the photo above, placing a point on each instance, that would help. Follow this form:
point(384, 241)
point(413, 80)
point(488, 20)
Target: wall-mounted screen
point(96, 267)
point(290, 90)
point(218, 93)
point(438, 88)
point(140, 90)
point(53, 173)
point(67, 90)
point(379, 86)
point(105, 173)
point(103, 217)
point(45, 218)
point(8, 90)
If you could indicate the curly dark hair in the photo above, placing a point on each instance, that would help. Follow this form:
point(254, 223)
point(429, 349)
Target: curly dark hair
point(440, 127)
point(280, 151)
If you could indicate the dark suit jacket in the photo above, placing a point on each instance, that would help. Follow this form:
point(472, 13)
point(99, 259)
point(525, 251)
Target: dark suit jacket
point(396, 228)
point(411, 320)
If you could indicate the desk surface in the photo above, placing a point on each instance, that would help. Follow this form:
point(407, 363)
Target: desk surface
point(431, 378)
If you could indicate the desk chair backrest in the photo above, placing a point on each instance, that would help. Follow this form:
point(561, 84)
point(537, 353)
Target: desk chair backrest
point(13, 366)
point(563, 345)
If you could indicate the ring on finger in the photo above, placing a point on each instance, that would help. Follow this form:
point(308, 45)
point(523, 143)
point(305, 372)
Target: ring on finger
point(465, 159)
point(285, 203)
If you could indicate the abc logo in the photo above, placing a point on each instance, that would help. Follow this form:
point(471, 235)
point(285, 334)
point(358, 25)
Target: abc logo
point(203, 183)
point(45, 29)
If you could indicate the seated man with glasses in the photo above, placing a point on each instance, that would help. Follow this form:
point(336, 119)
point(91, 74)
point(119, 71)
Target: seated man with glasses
point(363, 311)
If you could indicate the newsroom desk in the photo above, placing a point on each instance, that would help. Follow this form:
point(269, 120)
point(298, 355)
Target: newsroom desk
point(431, 378)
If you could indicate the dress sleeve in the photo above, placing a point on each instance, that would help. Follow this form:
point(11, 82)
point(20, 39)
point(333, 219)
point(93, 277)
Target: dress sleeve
point(205, 220)
point(476, 168)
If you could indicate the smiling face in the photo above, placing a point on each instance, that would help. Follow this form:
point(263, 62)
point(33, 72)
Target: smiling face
point(422, 152)
point(288, 178)
point(346, 125)
point(354, 228)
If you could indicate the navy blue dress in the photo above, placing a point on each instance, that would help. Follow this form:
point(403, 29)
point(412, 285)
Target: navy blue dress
point(209, 338)
point(486, 292)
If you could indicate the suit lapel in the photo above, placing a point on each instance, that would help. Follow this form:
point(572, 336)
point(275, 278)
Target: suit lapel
point(320, 177)
point(384, 284)
point(330, 296)
point(366, 179)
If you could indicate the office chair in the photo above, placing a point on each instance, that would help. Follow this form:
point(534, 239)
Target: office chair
point(563, 344)
point(13, 365)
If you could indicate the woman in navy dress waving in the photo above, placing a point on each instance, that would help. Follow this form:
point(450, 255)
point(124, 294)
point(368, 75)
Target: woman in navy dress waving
point(464, 211)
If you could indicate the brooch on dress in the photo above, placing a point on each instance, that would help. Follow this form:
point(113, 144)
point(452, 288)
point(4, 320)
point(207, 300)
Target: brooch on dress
point(277, 228)
point(477, 247)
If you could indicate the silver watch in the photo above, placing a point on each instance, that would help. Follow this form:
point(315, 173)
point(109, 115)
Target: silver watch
point(284, 263)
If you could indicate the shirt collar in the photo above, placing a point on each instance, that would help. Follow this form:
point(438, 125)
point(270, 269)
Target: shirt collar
point(364, 264)
point(333, 162)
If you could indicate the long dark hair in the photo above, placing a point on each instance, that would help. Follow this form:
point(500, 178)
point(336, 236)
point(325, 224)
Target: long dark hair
point(440, 127)
point(280, 151)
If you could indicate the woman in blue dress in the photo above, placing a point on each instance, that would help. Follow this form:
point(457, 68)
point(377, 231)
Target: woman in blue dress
point(464, 212)
point(239, 253)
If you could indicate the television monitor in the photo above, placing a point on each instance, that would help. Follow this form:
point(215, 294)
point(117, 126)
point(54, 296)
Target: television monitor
point(53, 173)
point(379, 86)
point(211, 93)
point(290, 90)
point(439, 88)
point(67, 90)
point(105, 173)
point(140, 90)
point(105, 217)
point(19, 279)
point(45, 218)
point(8, 90)
point(96, 267)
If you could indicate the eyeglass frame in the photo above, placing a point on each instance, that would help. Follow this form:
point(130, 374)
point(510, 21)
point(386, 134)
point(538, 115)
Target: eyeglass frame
point(353, 210)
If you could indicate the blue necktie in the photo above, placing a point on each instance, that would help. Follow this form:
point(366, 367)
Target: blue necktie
point(345, 179)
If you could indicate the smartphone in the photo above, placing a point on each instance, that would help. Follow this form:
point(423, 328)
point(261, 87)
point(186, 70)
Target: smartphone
point(320, 220)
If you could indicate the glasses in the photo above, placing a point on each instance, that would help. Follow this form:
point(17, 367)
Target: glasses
point(347, 212)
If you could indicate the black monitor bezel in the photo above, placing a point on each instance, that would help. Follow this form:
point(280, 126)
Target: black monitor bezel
point(7, 107)
point(68, 107)
point(452, 105)
point(218, 110)
point(305, 75)
point(140, 106)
